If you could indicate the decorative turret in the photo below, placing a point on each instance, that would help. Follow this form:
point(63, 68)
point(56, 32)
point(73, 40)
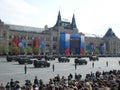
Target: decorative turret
point(66, 24)
point(58, 23)
point(73, 24)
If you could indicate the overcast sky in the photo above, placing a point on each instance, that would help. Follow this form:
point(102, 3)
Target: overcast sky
point(92, 16)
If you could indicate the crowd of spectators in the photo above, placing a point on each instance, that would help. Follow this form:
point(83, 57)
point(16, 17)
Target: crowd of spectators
point(106, 80)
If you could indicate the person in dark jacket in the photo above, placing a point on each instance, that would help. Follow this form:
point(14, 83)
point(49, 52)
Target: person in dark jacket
point(12, 84)
point(7, 86)
point(36, 82)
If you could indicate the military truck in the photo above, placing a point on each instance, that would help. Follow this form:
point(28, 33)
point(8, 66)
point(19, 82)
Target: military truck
point(63, 59)
point(25, 60)
point(11, 58)
point(93, 58)
point(41, 64)
point(80, 61)
point(49, 57)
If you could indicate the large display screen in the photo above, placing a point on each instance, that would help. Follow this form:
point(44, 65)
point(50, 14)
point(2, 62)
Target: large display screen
point(74, 42)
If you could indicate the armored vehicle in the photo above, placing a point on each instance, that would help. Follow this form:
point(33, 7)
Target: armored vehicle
point(48, 58)
point(80, 61)
point(63, 59)
point(39, 57)
point(41, 64)
point(25, 60)
point(93, 58)
point(11, 58)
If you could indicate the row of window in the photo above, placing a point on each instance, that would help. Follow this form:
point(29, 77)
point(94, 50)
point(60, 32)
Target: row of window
point(3, 34)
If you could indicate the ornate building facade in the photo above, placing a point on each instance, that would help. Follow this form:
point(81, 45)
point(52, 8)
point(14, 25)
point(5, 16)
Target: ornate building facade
point(16, 39)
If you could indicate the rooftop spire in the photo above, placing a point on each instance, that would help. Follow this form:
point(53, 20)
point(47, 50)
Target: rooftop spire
point(58, 23)
point(73, 22)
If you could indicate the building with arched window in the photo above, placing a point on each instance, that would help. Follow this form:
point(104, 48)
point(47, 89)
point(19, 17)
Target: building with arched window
point(17, 39)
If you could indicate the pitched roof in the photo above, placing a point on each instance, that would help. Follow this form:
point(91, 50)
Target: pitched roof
point(109, 33)
point(24, 28)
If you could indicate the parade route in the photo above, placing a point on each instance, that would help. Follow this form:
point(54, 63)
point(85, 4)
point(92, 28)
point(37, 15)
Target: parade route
point(13, 70)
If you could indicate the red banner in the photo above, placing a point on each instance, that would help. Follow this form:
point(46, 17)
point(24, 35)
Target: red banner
point(35, 43)
point(67, 51)
point(15, 41)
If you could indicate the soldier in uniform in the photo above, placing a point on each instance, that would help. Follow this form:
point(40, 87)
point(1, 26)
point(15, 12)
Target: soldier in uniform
point(75, 66)
point(53, 67)
point(25, 68)
point(107, 63)
point(93, 65)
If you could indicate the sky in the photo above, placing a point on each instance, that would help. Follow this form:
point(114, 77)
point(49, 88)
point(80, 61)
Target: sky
point(93, 17)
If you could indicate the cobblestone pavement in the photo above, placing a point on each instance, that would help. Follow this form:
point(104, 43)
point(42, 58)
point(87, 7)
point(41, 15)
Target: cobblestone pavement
point(13, 70)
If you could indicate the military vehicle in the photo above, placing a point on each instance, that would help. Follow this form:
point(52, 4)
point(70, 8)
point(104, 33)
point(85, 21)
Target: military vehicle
point(63, 59)
point(39, 57)
point(11, 58)
point(25, 60)
point(80, 61)
point(93, 58)
point(41, 64)
point(48, 58)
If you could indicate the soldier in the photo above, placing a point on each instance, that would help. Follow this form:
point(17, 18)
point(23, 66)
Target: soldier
point(75, 66)
point(53, 67)
point(107, 63)
point(25, 68)
point(93, 65)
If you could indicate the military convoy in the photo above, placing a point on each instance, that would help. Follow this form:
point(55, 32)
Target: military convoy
point(20, 59)
point(80, 61)
point(93, 58)
point(43, 61)
point(63, 59)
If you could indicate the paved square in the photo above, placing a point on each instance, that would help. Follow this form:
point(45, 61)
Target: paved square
point(13, 70)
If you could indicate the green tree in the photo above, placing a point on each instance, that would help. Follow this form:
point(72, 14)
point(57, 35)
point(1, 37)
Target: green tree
point(29, 50)
point(3, 49)
point(14, 49)
point(36, 50)
point(22, 50)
